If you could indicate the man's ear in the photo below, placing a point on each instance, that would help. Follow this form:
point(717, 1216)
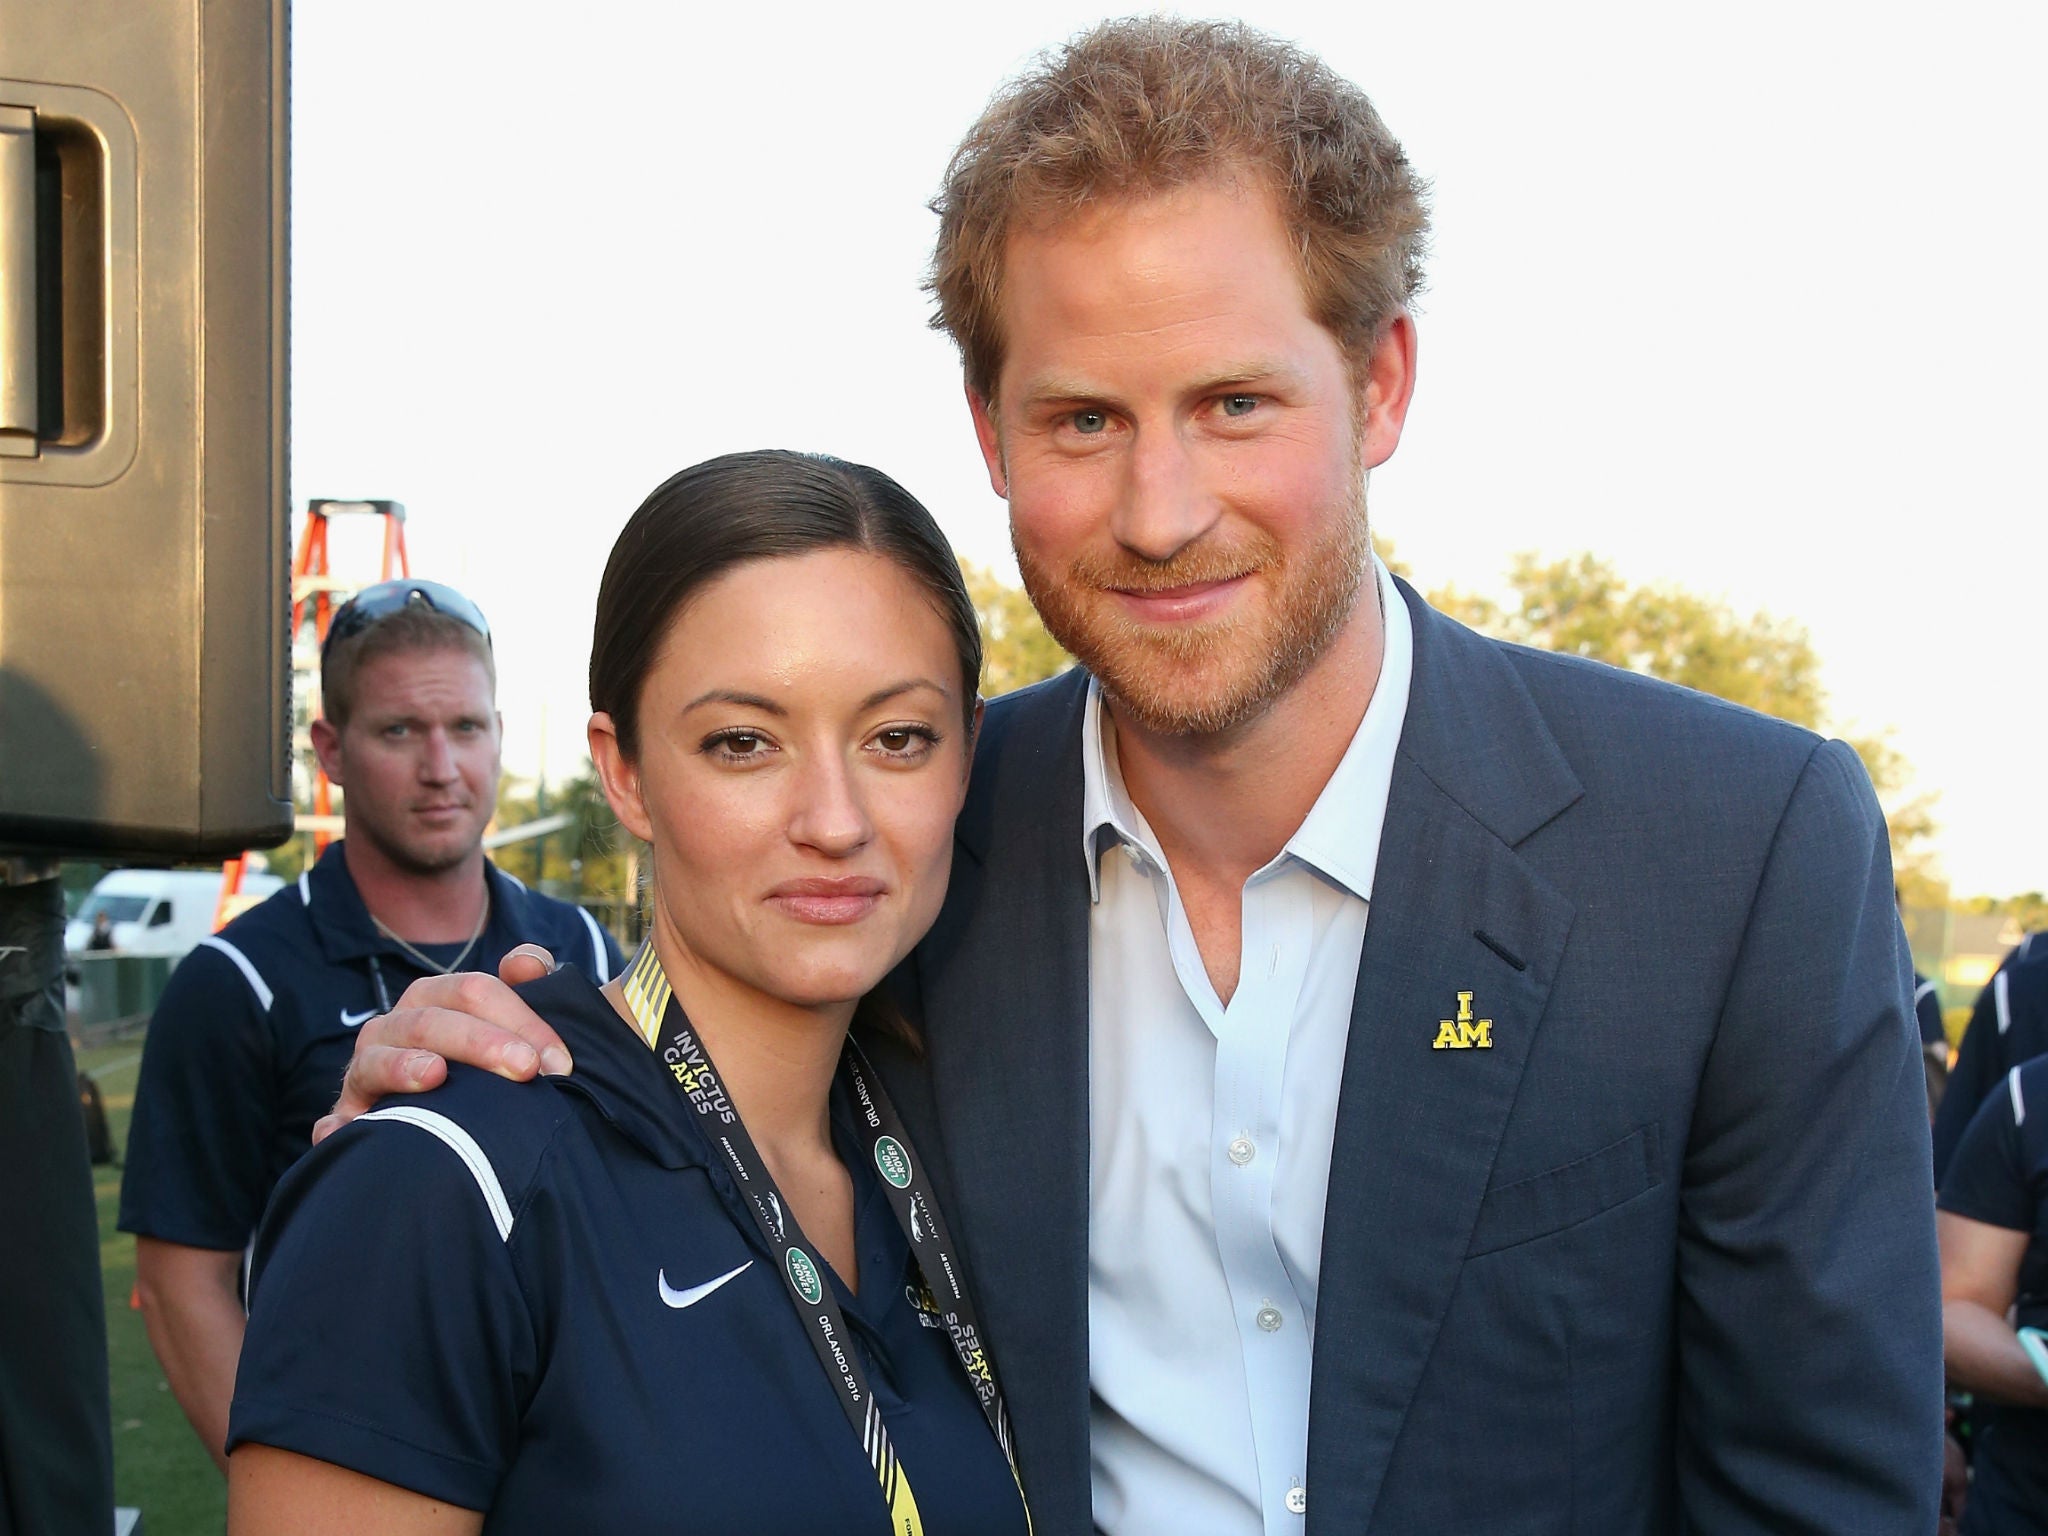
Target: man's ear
point(991, 439)
point(619, 777)
point(1388, 384)
point(327, 748)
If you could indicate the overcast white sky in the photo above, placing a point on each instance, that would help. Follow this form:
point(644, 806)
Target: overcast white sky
point(1744, 297)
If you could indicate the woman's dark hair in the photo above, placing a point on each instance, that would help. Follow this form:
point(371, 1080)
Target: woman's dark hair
point(725, 512)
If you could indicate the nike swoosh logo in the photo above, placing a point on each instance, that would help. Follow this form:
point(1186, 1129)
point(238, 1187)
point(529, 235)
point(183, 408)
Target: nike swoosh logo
point(696, 1293)
point(353, 1020)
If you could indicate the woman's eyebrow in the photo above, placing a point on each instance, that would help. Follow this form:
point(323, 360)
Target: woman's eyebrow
point(769, 706)
point(908, 685)
point(733, 696)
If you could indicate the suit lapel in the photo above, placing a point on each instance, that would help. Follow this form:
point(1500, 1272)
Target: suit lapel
point(1003, 984)
point(1418, 1126)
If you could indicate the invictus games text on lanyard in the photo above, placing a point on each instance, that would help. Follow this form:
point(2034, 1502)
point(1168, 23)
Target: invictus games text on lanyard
point(662, 1021)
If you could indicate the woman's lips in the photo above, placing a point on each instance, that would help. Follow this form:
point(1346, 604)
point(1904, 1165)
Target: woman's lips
point(1179, 605)
point(828, 903)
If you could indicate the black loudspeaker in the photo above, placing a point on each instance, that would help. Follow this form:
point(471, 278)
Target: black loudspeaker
point(144, 672)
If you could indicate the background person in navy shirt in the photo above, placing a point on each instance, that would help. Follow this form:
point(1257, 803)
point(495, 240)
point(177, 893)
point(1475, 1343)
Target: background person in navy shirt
point(573, 1318)
point(2008, 1025)
point(257, 1023)
point(1993, 1227)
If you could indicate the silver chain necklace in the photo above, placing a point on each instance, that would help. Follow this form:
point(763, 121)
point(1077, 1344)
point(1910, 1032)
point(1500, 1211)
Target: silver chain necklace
point(431, 967)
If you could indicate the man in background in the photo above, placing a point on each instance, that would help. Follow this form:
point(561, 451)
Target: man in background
point(257, 1023)
point(2008, 1025)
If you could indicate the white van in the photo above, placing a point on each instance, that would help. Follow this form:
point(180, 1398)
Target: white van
point(159, 911)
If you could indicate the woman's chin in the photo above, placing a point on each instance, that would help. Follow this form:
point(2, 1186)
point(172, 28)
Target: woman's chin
point(824, 988)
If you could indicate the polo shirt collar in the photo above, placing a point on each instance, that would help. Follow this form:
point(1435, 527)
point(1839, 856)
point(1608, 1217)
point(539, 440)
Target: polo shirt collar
point(623, 1077)
point(615, 1069)
point(344, 928)
point(1340, 837)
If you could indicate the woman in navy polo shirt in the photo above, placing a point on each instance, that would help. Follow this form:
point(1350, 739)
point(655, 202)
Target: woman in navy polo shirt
point(702, 1285)
point(1993, 1225)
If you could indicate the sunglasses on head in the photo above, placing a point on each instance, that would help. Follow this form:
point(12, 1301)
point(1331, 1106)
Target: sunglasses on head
point(372, 605)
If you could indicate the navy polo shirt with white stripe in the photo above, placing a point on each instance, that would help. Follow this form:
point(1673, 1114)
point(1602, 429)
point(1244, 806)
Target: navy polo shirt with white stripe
point(1999, 1175)
point(248, 1044)
point(2008, 1025)
point(549, 1301)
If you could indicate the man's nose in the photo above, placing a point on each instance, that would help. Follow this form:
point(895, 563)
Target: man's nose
point(1165, 505)
point(437, 763)
point(830, 814)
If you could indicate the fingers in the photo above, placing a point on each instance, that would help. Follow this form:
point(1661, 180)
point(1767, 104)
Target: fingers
point(375, 1072)
point(469, 1018)
point(524, 963)
point(472, 1018)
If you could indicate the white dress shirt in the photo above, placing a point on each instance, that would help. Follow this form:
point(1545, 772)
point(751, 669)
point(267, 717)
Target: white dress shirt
point(1210, 1133)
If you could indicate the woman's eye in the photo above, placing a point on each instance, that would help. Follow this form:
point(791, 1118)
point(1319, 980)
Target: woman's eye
point(738, 744)
point(1240, 405)
point(905, 741)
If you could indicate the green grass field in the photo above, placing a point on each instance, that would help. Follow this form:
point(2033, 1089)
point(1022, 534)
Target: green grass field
point(159, 1465)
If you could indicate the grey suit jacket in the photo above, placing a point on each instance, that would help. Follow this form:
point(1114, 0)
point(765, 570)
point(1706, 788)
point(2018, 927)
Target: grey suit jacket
point(1659, 1258)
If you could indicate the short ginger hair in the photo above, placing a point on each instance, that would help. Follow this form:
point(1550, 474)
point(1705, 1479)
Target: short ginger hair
point(1145, 105)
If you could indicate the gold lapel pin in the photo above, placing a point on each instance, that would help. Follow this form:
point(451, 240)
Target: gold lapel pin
point(1464, 1033)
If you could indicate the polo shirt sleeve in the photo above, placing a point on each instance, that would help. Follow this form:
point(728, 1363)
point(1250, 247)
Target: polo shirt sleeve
point(1980, 1063)
point(1987, 1178)
point(388, 1331)
point(198, 1167)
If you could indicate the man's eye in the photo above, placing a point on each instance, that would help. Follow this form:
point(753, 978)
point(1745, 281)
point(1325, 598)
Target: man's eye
point(1240, 405)
point(1089, 423)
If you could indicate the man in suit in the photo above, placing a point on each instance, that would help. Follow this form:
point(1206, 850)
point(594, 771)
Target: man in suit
point(1387, 1080)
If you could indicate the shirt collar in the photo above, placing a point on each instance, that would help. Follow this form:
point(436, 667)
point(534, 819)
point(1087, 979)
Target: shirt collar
point(344, 927)
point(1340, 837)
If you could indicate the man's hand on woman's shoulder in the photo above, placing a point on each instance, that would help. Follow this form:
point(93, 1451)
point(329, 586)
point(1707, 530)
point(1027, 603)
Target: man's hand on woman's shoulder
point(468, 1017)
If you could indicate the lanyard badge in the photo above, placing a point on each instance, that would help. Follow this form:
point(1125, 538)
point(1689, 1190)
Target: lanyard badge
point(884, 1139)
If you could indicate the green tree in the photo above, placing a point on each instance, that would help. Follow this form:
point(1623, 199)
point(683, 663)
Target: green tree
point(592, 861)
point(1016, 650)
point(2028, 910)
point(1582, 606)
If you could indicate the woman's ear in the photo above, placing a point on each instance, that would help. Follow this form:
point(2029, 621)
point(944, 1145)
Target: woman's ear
point(619, 776)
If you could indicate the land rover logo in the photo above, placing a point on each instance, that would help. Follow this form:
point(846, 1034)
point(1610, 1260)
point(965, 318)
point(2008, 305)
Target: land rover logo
point(803, 1274)
point(893, 1161)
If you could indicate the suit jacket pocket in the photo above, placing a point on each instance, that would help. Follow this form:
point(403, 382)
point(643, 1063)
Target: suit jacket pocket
point(1565, 1196)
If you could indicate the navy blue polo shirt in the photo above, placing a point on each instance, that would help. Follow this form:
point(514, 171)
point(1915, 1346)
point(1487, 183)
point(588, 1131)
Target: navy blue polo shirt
point(2008, 1025)
point(1999, 1176)
point(248, 1044)
point(549, 1301)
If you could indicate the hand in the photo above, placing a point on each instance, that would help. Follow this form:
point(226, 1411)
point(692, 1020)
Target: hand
point(468, 1017)
point(1955, 1485)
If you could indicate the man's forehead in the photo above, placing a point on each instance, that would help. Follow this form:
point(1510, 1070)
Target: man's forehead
point(443, 676)
point(1203, 282)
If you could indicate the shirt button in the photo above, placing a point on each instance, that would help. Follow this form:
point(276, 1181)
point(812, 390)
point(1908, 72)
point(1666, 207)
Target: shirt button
point(1243, 1151)
point(1297, 1501)
point(1269, 1318)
